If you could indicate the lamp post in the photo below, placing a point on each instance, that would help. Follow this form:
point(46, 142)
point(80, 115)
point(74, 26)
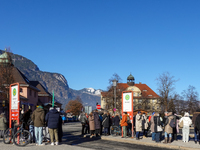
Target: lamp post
point(114, 85)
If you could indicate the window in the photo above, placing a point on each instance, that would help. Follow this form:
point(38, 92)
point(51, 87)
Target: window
point(140, 101)
point(138, 94)
point(154, 100)
point(153, 107)
point(21, 90)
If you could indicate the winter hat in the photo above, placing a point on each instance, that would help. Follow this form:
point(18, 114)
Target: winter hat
point(153, 113)
point(139, 112)
point(186, 114)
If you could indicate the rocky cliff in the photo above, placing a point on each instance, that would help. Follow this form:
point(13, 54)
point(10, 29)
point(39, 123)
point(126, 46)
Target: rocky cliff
point(54, 81)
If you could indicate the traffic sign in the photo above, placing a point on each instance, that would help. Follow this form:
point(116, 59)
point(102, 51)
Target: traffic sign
point(98, 106)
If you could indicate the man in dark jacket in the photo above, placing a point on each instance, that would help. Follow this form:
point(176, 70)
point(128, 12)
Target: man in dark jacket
point(52, 119)
point(38, 120)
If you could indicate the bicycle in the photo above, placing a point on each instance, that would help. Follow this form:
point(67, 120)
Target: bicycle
point(20, 137)
point(115, 130)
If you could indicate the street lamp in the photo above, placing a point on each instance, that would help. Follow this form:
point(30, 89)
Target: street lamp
point(114, 85)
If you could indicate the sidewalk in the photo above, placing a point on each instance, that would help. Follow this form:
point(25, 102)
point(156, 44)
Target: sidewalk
point(148, 142)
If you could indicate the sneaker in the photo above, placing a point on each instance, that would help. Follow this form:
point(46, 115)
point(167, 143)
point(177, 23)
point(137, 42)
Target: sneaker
point(41, 144)
point(91, 136)
point(52, 143)
point(56, 143)
point(84, 136)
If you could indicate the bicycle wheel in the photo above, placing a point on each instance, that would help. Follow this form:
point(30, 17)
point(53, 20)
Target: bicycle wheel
point(113, 130)
point(7, 137)
point(22, 138)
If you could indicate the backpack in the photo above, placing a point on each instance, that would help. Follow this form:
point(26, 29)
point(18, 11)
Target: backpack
point(172, 123)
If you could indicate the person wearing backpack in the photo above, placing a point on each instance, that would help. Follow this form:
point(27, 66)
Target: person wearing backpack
point(168, 128)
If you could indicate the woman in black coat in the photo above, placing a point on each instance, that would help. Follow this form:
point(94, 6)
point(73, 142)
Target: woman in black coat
point(106, 123)
point(157, 127)
point(97, 122)
point(116, 120)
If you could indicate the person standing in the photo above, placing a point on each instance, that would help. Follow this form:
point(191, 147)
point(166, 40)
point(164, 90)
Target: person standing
point(144, 125)
point(174, 135)
point(52, 119)
point(116, 120)
point(152, 126)
point(186, 126)
point(87, 124)
point(196, 131)
point(97, 123)
point(31, 126)
point(168, 128)
point(91, 124)
point(38, 120)
point(106, 123)
point(124, 124)
point(197, 124)
point(83, 120)
point(138, 122)
point(3, 124)
point(157, 127)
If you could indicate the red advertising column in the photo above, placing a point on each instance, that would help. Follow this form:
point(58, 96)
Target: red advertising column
point(127, 105)
point(14, 103)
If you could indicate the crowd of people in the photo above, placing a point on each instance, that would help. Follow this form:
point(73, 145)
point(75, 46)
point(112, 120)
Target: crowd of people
point(49, 126)
point(44, 127)
point(144, 125)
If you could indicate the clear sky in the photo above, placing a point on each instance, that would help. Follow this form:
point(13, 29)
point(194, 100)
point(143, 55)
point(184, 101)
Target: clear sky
point(89, 40)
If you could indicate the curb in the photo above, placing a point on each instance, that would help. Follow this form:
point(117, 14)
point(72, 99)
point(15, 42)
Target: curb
point(149, 144)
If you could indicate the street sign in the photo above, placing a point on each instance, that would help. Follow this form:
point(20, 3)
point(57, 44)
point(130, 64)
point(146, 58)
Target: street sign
point(98, 106)
point(14, 103)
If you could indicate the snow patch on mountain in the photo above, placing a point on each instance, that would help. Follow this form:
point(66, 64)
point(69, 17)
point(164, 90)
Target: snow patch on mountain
point(92, 91)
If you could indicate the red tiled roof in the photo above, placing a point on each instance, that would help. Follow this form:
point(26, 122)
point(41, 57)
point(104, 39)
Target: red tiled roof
point(146, 91)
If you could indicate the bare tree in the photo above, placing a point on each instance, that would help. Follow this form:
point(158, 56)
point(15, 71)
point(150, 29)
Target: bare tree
point(74, 106)
point(191, 96)
point(165, 84)
point(110, 93)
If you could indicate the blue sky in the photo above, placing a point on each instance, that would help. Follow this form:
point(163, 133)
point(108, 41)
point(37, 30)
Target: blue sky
point(89, 40)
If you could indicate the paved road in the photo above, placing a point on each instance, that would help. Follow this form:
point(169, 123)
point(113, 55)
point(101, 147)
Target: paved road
point(73, 141)
point(72, 137)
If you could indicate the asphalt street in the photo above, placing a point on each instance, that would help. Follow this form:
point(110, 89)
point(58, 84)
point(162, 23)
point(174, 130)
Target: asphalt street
point(72, 140)
point(72, 136)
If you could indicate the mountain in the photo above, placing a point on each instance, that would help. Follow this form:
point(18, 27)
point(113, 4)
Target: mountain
point(55, 81)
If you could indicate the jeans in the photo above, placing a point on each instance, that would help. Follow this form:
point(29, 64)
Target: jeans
point(31, 130)
point(157, 136)
point(170, 135)
point(153, 136)
point(124, 131)
point(38, 135)
point(196, 134)
point(138, 135)
point(105, 130)
point(186, 130)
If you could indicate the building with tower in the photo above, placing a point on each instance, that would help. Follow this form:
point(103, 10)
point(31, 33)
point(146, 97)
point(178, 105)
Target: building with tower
point(144, 98)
